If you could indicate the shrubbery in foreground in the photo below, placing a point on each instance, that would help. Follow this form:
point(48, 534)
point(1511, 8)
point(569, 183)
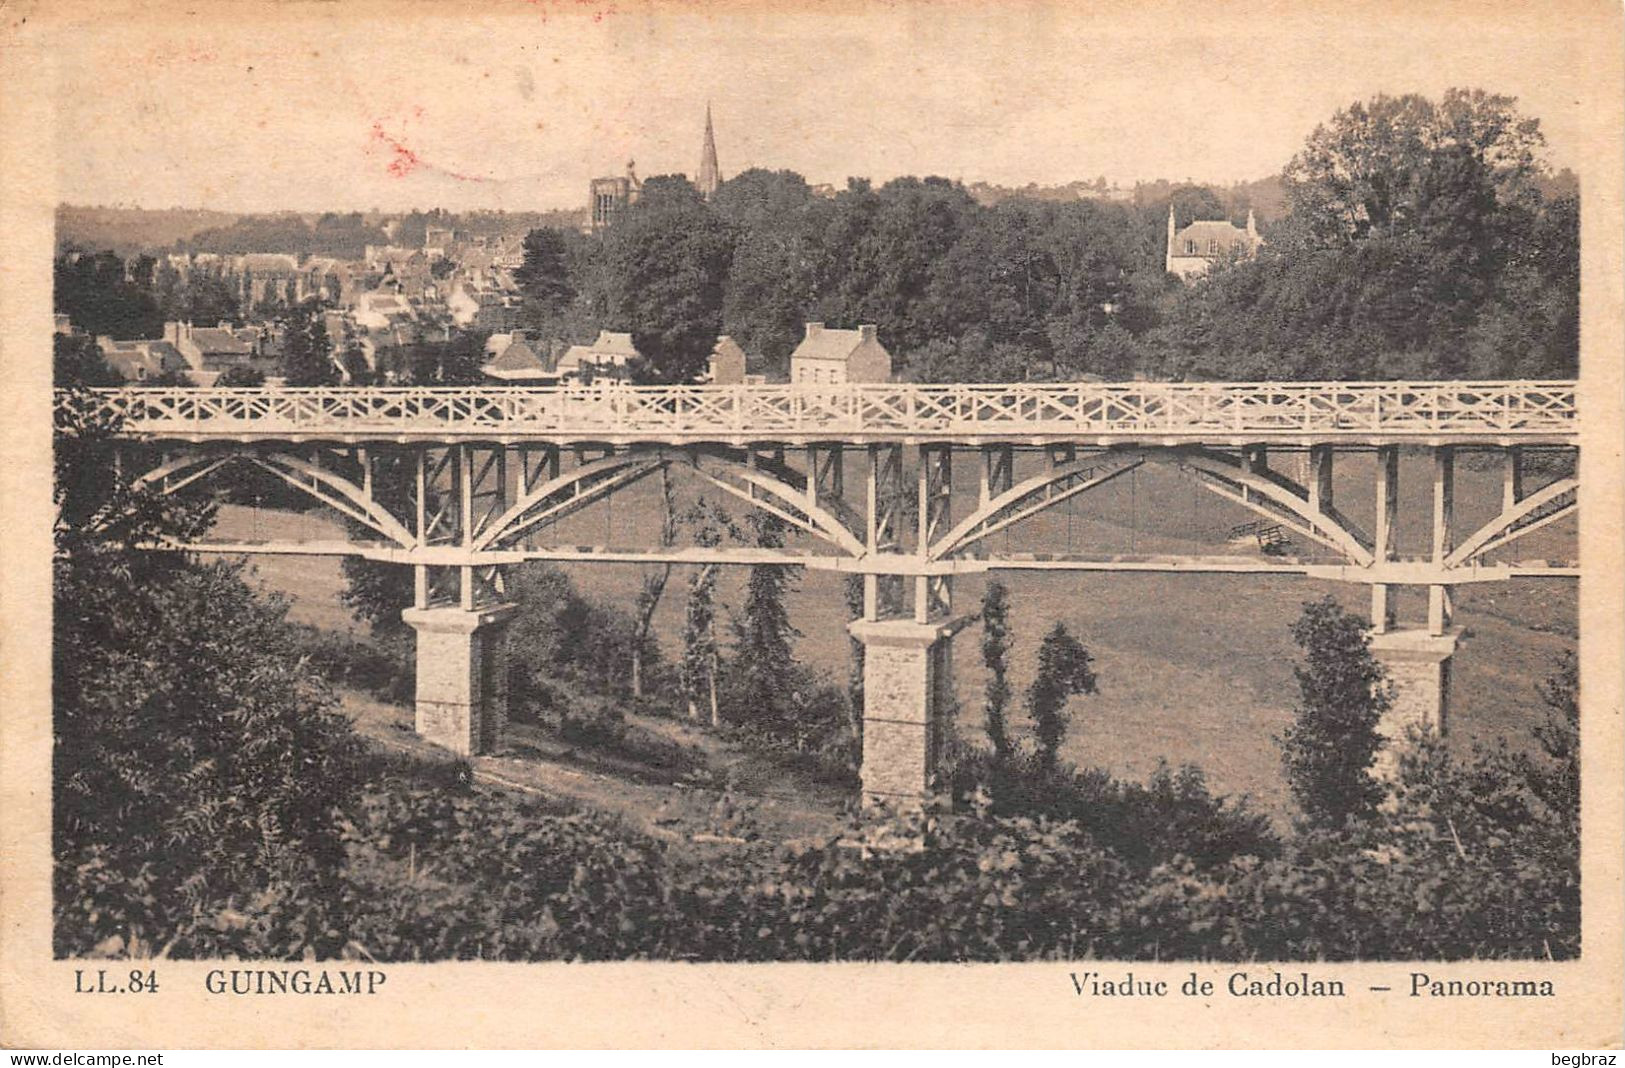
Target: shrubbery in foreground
point(209, 802)
point(435, 869)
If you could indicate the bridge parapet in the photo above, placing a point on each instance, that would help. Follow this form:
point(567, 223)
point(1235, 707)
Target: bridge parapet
point(1301, 413)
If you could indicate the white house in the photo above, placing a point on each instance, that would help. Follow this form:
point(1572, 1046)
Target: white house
point(1192, 250)
point(829, 357)
point(606, 356)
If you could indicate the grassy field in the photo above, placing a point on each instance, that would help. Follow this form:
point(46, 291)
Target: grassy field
point(1193, 668)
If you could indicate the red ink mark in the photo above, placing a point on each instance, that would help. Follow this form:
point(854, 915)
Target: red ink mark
point(403, 161)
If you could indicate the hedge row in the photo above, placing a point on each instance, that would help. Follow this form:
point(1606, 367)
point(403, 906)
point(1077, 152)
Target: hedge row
point(437, 873)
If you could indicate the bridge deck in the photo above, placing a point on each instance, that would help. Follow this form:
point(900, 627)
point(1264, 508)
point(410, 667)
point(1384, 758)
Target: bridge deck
point(1162, 413)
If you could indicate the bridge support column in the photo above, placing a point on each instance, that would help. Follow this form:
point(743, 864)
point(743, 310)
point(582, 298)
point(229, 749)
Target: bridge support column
point(907, 677)
point(462, 675)
point(1418, 666)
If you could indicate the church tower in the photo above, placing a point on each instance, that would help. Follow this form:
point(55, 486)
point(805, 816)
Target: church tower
point(710, 174)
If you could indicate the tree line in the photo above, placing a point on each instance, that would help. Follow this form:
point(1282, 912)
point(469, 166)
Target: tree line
point(1422, 238)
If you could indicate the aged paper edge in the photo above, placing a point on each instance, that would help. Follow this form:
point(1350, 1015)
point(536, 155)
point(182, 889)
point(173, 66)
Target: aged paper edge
point(785, 1005)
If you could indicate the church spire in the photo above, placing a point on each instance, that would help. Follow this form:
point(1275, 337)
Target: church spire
point(710, 173)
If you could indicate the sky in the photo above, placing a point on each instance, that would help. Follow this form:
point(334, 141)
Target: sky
point(239, 110)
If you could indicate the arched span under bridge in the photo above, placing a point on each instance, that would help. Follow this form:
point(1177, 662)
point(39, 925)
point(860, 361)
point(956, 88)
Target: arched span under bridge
point(459, 482)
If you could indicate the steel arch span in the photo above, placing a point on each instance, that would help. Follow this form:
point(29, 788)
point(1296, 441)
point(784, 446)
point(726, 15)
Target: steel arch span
point(461, 484)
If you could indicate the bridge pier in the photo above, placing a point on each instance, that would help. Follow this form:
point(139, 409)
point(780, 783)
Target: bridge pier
point(907, 687)
point(462, 675)
point(1418, 665)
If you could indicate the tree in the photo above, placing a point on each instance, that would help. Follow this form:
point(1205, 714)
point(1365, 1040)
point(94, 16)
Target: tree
point(562, 635)
point(456, 361)
point(855, 655)
point(1376, 165)
point(996, 656)
point(1329, 748)
point(700, 651)
point(771, 279)
point(763, 681)
point(1063, 672)
point(104, 296)
point(544, 275)
point(881, 251)
point(970, 358)
point(307, 359)
point(653, 586)
point(701, 663)
point(1419, 245)
point(1556, 780)
point(196, 762)
point(666, 267)
point(353, 362)
point(203, 297)
point(77, 361)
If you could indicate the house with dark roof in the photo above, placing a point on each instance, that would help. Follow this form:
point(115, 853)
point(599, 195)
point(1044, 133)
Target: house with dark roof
point(1193, 249)
point(139, 361)
point(829, 357)
point(217, 348)
point(520, 358)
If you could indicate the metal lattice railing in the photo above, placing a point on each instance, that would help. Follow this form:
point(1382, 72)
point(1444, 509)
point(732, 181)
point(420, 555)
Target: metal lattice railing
point(1330, 411)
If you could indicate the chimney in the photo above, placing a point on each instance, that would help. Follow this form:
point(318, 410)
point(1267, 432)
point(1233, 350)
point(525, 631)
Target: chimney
point(814, 329)
point(866, 332)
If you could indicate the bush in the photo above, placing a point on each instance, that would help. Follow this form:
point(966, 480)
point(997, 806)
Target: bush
point(812, 732)
point(1172, 815)
point(437, 870)
point(560, 634)
point(385, 667)
point(196, 763)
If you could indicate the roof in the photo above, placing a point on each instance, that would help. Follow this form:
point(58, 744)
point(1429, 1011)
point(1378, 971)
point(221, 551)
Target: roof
point(384, 302)
point(1205, 231)
point(518, 360)
point(609, 347)
point(497, 344)
point(393, 253)
point(828, 344)
point(154, 357)
point(213, 339)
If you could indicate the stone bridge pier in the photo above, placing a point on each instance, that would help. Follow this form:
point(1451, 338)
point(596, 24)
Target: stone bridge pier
point(1418, 667)
point(907, 701)
point(462, 675)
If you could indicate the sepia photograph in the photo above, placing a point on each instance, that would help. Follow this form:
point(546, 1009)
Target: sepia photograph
point(922, 483)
